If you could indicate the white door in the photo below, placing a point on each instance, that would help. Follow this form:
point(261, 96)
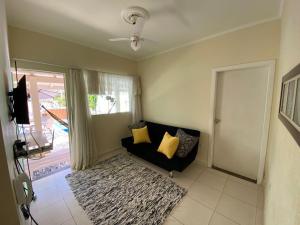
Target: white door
point(240, 113)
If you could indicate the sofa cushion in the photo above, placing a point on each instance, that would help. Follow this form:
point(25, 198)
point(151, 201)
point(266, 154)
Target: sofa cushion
point(168, 145)
point(143, 150)
point(186, 143)
point(157, 131)
point(141, 135)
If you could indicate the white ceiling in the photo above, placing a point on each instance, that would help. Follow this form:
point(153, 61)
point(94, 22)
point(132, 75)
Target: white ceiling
point(172, 23)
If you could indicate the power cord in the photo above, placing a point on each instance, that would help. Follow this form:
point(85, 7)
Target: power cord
point(24, 208)
point(31, 217)
point(27, 161)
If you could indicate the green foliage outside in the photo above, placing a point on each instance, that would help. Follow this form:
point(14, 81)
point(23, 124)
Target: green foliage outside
point(61, 101)
point(92, 102)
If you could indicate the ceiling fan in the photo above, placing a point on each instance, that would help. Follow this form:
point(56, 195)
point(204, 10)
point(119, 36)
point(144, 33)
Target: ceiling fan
point(136, 16)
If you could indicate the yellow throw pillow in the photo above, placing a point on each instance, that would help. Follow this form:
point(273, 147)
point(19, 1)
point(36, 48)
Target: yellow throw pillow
point(168, 145)
point(141, 135)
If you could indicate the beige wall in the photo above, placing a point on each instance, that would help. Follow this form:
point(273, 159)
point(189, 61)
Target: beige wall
point(176, 85)
point(34, 46)
point(110, 129)
point(176, 90)
point(282, 206)
point(8, 212)
point(30, 45)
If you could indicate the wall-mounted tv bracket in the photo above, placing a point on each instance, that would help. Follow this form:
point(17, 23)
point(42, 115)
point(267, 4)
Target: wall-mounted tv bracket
point(11, 105)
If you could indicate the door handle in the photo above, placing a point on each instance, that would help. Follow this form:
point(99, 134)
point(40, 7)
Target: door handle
point(217, 121)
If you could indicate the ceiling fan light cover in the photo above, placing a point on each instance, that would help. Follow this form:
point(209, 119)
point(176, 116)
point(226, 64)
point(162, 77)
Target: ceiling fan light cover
point(136, 45)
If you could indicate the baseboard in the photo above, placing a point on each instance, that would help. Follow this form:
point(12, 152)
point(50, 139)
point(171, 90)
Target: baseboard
point(201, 162)
point(110, 150)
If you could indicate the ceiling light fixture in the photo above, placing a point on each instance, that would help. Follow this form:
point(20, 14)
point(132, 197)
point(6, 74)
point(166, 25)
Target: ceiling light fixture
point(136, 16)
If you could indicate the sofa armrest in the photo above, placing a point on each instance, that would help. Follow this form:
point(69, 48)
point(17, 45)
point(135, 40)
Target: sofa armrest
point(184, 162)
point(126, 142)
point(194, 152)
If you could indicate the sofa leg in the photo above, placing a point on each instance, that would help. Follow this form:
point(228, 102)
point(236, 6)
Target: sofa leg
point(171, 174)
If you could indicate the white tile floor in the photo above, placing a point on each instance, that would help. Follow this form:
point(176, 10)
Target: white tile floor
point(213, 198)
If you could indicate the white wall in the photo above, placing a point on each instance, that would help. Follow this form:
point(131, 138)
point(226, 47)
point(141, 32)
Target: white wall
point(8, 213)
point(34, 46)
point(176, 85)
point(282, 206)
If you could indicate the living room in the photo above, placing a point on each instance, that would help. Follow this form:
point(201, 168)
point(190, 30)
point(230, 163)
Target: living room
point(177, 112)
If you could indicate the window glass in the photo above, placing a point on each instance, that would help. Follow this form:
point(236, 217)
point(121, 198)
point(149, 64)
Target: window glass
point(284, 99)
point(116, 92)
point(297, 104)
point(290, 99)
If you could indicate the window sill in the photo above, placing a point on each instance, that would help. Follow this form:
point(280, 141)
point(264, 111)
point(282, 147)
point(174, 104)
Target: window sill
point(111, 114)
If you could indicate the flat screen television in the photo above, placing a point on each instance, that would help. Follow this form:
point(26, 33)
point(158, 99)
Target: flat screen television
point(20, 104)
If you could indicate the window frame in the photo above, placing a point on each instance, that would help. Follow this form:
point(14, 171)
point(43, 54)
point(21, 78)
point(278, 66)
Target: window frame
point(116, 94)
point(289, 123)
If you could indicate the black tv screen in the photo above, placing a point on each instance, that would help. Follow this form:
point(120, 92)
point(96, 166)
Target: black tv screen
point(20, 102)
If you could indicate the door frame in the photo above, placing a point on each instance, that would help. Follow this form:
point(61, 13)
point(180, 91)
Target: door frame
point(270, 84)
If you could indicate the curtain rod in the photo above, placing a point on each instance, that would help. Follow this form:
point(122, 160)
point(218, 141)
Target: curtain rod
point(61, 66)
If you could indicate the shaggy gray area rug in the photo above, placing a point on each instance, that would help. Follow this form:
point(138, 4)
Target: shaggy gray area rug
point(121, 191)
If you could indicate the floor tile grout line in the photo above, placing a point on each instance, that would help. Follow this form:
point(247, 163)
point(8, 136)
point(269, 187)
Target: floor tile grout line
point(229, 218)
point(177, 220)
point(196, 202)
point(195, 180)
point(201, 203)
point(255, 206)
point(205, 186)
point(223, 193)
point(243, 201)
point(203, 169)
point(70, 209)
point(246, 185)
point(214, 211)
point(213, 175)
point(210, 186)
point(190, 197)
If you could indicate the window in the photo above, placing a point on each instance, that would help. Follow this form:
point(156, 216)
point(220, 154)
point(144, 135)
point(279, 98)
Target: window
point(290, 102)
point(296, 118)
point(114, 94)
point(290, 99)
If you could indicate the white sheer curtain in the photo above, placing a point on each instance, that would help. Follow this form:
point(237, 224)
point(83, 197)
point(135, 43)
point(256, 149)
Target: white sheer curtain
point(82, 142)
point(111, 83)
point(92, 82)
point(136, 105)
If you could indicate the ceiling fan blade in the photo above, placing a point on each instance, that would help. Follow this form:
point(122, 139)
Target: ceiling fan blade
point(148, 40)
point(119, 39)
